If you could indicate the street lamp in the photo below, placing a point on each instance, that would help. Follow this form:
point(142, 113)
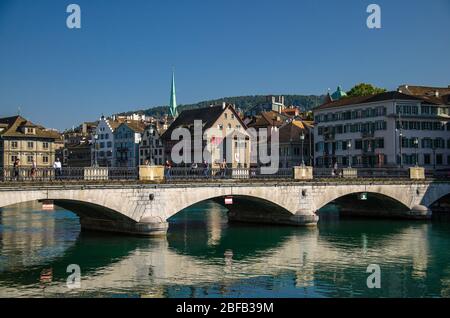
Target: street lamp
point(95, 150)
point(302, 139)
point(401, 149)
point(349, 145)
point(416, 146)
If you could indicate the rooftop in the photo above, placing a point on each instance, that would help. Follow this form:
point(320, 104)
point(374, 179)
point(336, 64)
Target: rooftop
point(393, 95)
point(13, 128)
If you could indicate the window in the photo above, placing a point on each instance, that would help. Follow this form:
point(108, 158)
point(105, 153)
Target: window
point(379, 143)
point(14, 144)
point(45, 145)
point(45, 159)
point(358, 144)
point(29, 159)
point(439, 143)
point(109, 144)
point(13, 158)
point(439, 159)
point(30, 145)
point(427, 159)
point(427, 143)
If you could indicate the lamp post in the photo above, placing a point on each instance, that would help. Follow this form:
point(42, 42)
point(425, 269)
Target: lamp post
point(302, 139)
point(95, 150)
point(416, 146)
point(401, 148)
point(349, 145)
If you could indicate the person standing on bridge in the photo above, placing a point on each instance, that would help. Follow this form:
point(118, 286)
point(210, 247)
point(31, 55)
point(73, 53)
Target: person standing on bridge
point(57, 166)
point(16, 169)
point(168, 167)
point(33, 169)
point(206, 171)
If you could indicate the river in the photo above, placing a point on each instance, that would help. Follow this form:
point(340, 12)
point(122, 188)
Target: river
point(204, 256)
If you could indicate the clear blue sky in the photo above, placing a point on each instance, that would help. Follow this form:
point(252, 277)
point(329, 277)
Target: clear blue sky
point(121, 59)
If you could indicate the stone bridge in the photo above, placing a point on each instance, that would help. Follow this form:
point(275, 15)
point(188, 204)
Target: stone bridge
point(144, 209)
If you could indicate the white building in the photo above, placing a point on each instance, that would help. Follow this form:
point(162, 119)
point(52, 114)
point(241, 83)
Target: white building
point(151, 147)
point(103, 143)
point(390, 129)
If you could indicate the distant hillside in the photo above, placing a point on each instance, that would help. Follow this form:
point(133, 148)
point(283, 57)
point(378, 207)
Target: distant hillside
point(242, 102)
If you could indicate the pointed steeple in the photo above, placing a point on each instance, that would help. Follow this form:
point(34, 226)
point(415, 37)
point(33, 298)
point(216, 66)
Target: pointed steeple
point(173, 112)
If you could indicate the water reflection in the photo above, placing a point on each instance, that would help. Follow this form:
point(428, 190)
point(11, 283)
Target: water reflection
point(203, 256)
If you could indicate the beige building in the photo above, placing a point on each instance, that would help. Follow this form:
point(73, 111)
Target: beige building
point(224, 135)
point(20, 138)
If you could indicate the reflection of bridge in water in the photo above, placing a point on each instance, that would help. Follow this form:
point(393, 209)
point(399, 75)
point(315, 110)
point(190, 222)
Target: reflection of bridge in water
point(224, 256)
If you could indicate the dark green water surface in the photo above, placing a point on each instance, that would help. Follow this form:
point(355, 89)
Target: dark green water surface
point(203, 256)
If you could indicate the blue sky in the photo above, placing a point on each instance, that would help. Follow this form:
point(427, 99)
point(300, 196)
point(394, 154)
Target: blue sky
point(121, 58)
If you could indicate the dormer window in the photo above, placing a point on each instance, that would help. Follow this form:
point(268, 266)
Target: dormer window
point(29, 130)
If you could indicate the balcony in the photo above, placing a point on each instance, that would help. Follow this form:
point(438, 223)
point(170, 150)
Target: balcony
point(367, 134)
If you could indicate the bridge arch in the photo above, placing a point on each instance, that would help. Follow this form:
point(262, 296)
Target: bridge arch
point(399, 194)
point(435, 193)
point(370, 204)
point(247, 208)
point(379, 199)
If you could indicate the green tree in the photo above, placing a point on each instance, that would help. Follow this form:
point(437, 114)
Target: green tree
point(364, 89)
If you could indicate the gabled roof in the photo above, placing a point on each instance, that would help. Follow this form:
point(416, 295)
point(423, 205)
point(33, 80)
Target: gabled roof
point(136, 126)
point(208, 116)
point(13, 128)
point(292, 130)
point(270, 118)
point(369, 99)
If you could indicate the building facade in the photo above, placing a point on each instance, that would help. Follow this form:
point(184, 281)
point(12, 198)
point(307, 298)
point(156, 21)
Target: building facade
point(151, 148)
point(296, 144)
point(102, 152)
point(225, 139)
point(127, 138)
point(390, 129)
point(23, 140)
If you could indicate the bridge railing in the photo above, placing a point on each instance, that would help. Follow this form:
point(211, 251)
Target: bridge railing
point(375, 173)
point(68, 174)
point(26, 174)
point(181, 173)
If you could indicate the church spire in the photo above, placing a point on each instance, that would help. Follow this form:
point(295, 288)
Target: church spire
point(173, 99)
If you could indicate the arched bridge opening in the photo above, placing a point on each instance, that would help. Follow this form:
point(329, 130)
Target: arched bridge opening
point(242, 208)
point(91, 216)
point(365, 204)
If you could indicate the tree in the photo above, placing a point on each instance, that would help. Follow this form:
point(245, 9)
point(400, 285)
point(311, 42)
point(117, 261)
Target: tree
point(364, 89)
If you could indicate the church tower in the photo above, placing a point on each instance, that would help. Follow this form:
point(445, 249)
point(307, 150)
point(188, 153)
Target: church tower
point(173, 112)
